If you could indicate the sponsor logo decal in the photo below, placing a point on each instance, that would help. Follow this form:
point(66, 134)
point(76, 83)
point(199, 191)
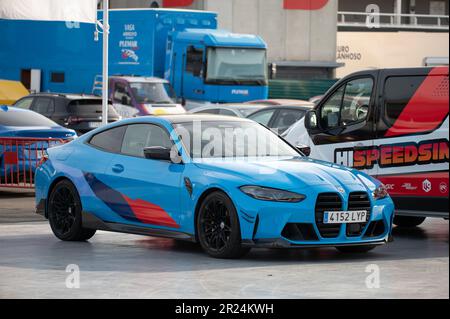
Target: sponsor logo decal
point(443, 187)
point(129, 45)
point(394, 155)
point(239, 92)
point(427, 186)
point(409, 187)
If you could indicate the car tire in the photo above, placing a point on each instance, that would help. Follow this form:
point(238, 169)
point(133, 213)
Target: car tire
point(356, 249)
point(408, 221)
point(218, 227)
point(64, 213)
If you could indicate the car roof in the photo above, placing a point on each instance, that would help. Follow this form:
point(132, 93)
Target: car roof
point(177, 119)
point(282, 102)
point(70, 96)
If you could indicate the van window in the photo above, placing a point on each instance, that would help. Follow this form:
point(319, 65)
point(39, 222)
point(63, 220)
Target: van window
point(140, 136)
point(329, 115)
point(121, 94)
point(348, 105)
point(398, 92)
point(110, 140)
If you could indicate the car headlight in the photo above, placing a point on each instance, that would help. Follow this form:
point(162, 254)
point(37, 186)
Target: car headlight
point(380, 192)
point(272, 194)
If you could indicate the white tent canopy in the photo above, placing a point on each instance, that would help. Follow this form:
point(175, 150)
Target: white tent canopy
point(49, 10)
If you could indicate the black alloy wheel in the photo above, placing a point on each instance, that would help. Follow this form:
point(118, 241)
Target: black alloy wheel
point(218, 227)
point(64, 213)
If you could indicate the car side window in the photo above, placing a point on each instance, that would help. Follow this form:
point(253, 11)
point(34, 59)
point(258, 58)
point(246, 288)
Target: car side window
point(43, 105)
point(348, 105)
point(110, 140)
point(263, 117)
point(287, 118)
point(139, 136)
point(24, 104)
point(121, 94)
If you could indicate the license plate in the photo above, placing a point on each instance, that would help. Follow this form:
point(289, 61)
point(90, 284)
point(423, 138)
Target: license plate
point(352, 217)
point(94, 124)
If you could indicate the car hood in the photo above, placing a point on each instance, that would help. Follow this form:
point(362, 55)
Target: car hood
point(287, 173)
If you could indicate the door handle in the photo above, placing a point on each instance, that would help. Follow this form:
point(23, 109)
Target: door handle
point(118, 168)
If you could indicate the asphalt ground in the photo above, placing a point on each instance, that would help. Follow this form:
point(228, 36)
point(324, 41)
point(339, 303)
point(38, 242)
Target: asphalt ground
point(34, 264)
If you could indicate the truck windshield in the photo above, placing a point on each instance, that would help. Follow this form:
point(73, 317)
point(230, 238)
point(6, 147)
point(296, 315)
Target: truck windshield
point(152, 93)
point(240, 66)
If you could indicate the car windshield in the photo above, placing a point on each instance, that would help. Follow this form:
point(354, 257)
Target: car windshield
point(238, 66)
point(231, 139)
point(152, 93)
point(248, 110)
point(24, 118)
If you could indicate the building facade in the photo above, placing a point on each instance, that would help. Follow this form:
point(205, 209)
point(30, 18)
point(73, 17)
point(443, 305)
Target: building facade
point(394, 33)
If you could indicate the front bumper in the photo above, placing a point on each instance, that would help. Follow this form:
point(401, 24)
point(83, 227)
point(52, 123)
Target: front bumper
point(284, 243)
point(283, 225)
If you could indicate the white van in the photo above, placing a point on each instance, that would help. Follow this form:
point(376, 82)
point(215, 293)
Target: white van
point(392, 124)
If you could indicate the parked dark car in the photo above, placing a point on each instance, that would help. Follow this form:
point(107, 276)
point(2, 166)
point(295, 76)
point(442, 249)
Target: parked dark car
point(81, 113)
point(279, 118)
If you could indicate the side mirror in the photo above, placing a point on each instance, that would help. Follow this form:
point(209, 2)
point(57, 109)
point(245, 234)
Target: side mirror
point(305, 149)
point(158, 153)
point(311, 122)
point(161, 153)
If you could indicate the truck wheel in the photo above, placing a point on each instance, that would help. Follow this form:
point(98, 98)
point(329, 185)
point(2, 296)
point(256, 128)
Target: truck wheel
point(218, 228)
point(408, 221)
point(355, 249)
point(64, 213)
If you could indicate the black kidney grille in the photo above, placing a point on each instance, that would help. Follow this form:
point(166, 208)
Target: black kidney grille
point(327, 202)
point(358, 201)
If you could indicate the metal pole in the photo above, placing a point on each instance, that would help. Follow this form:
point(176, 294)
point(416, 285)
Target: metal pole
point(398, 11)
point(105, 86)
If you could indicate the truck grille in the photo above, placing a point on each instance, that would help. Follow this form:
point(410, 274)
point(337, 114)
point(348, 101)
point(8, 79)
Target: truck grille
point(327, 202)
point(358, 201)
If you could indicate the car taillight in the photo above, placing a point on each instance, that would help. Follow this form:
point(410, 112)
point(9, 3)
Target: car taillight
point(73, 120)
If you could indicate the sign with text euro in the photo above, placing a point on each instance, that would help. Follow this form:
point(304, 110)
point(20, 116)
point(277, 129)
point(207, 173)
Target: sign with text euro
point(49, 10)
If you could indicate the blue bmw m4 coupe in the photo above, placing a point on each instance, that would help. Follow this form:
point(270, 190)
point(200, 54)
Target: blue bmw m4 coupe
point(229, 184)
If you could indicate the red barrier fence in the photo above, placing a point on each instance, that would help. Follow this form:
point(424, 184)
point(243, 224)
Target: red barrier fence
point(19, 158)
